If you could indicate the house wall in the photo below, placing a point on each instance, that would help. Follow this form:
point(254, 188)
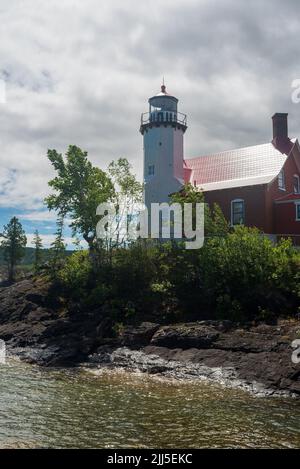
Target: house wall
point(281, 217)
point(254, 199)
point(285, 219)
point(260, 207)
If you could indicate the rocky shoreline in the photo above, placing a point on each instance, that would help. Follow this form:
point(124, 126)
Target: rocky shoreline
point(256, 358)
point(152, 362)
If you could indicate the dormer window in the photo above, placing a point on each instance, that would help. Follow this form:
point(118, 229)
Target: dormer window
point(281, 180)
point(296, 184)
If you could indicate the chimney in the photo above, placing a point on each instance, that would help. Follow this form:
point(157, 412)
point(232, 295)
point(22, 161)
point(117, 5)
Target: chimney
point(280, 127)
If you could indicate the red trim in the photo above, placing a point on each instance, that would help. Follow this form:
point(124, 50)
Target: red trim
point(291, 197)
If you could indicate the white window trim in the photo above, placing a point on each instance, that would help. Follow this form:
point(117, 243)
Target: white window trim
point(282, 188)
point(297, 204)
point(296, 176)
point(231, 214)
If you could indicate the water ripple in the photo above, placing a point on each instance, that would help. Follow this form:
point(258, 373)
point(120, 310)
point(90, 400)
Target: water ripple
point(73, 408)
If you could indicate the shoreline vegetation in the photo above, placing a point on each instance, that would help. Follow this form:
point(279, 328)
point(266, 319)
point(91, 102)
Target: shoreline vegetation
point(228, 311)
point(71, 316)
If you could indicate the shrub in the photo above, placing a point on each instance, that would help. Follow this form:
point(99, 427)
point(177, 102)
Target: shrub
point(241, 276)
point(133, 271)
point(74, 275)
point(251, 273)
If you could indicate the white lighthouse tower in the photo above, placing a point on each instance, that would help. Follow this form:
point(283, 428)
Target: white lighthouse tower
point(162, 128)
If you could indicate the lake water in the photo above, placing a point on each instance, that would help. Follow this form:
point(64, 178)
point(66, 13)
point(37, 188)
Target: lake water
point(75, 408)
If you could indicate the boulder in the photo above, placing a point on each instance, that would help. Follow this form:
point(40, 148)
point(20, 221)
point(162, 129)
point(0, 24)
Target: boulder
point(184, 336)
point(138, 336)
point(240, 340)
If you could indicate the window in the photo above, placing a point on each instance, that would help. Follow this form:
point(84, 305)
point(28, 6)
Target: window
point(298, 212)
point(281, 180)
point(151, 170)
point(237, 212)
point(296, 184)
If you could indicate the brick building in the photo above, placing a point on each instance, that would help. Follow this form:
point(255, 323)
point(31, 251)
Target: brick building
point(255, 186)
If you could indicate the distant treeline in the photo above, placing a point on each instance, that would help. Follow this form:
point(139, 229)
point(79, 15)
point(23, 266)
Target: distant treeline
point(28, 258)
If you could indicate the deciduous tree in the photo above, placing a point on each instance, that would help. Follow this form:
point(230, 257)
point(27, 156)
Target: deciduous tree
point(79, 187)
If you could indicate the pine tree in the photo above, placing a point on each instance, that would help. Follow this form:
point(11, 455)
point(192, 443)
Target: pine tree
point(220, 226)
point(13, 245)
point(37, 242)
point(58, 246)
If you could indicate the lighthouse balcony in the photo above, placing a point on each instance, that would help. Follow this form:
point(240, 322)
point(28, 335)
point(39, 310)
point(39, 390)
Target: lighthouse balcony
point(156, 118)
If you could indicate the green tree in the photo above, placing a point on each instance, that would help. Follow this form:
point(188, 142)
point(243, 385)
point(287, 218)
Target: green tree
point(79, 187)
point(74, 275)
point(128, 192)
point(58, 246)
point(215, 223)
point(188, 194)
point(38, 245)
point(13, 244)
point(245, 273)
point(125, 183)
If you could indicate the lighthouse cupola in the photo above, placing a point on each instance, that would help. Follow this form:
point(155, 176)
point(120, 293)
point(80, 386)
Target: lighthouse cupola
point(163, 110)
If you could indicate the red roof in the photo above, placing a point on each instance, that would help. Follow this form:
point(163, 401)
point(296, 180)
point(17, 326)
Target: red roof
point(258, 164)
point(187, 173)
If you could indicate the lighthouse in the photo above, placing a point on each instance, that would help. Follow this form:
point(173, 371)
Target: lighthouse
point(163, 128)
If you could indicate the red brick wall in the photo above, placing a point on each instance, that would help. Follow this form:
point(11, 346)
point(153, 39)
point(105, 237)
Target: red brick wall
point(283, 215)
point(254, 198)
point(260, 208)
point(285, 219)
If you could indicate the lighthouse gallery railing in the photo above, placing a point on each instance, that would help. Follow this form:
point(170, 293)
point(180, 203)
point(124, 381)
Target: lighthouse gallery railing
point(163, 116)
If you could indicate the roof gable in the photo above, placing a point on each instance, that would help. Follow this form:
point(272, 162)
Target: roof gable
point(296, 154)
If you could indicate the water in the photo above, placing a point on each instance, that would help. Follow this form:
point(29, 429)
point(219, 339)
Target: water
point(73, 408)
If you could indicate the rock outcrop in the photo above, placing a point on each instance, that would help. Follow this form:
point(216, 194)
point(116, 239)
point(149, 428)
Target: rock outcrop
point(42, 329)
point(252, 356)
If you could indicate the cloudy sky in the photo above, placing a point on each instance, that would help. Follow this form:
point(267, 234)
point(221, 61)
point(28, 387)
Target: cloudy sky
point(80, 72)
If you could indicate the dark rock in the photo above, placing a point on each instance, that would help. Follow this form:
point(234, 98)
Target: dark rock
point(104, 328)
point(39, 314)
point(43, 331)
point(42, 334)
point(36, 298)
point(138, 336)
point(198, 335)
point(245, 341)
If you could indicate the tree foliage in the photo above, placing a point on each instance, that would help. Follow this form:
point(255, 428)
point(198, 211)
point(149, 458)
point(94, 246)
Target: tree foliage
point(215, 224)
point(38, 246)
point(79, 187)
point(58, 246)
point(238, 274)
point(242, 276)
point(128, 193)
point(13, 244)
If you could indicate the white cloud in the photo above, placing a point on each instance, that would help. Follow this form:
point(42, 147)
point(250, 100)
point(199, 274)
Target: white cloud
point(47, 239)
point(37, 216)
point(81, 73)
